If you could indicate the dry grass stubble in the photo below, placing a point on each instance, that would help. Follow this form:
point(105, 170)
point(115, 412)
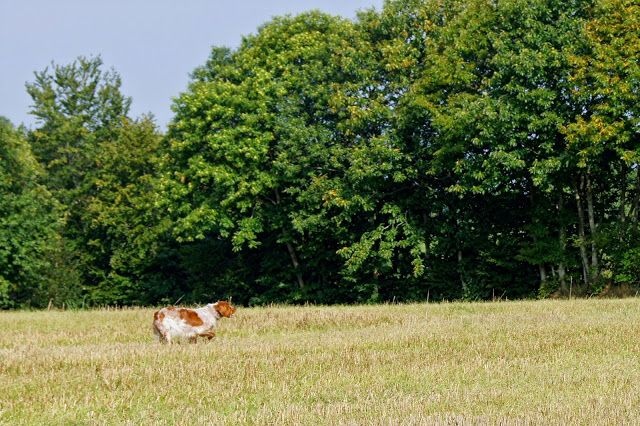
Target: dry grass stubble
point(552, 362)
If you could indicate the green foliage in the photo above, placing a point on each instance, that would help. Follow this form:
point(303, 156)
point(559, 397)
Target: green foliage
point(124, 227)
point(99, 165)
point(29, 221)
point(263, 139)
point(435, 149)
point(77, 106)
point(429, 137)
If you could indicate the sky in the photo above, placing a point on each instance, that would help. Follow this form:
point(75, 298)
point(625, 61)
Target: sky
point(153, 44)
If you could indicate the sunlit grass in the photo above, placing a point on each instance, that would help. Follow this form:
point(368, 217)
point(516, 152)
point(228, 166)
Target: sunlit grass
point(537, 362)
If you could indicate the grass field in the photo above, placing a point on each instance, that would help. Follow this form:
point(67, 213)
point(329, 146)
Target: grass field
point(534, 362)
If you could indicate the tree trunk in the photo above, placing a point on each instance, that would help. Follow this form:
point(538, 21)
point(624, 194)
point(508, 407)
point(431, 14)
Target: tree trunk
point(636, 201)
point(563, 245)
point(562, 277)
point(292, 253)
point(581, 234)
point(592, 228)
point(534, 220)
point(296, 265)
point(461, 272)
point(623, 194)
point(543, 275)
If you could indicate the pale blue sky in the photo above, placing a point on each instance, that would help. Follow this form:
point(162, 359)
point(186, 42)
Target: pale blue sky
point(152, 44)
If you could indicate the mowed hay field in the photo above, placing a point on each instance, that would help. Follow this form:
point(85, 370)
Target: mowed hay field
point(533, 362)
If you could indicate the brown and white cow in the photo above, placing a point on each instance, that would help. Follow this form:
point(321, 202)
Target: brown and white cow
point(172, 322)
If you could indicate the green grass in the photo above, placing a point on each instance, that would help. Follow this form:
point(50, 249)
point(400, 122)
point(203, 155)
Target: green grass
point(534, 362)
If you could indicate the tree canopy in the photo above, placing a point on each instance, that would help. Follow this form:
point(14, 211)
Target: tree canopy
point(436, 149)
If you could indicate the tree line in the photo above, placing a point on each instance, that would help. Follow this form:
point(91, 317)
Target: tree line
point(436, 149)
